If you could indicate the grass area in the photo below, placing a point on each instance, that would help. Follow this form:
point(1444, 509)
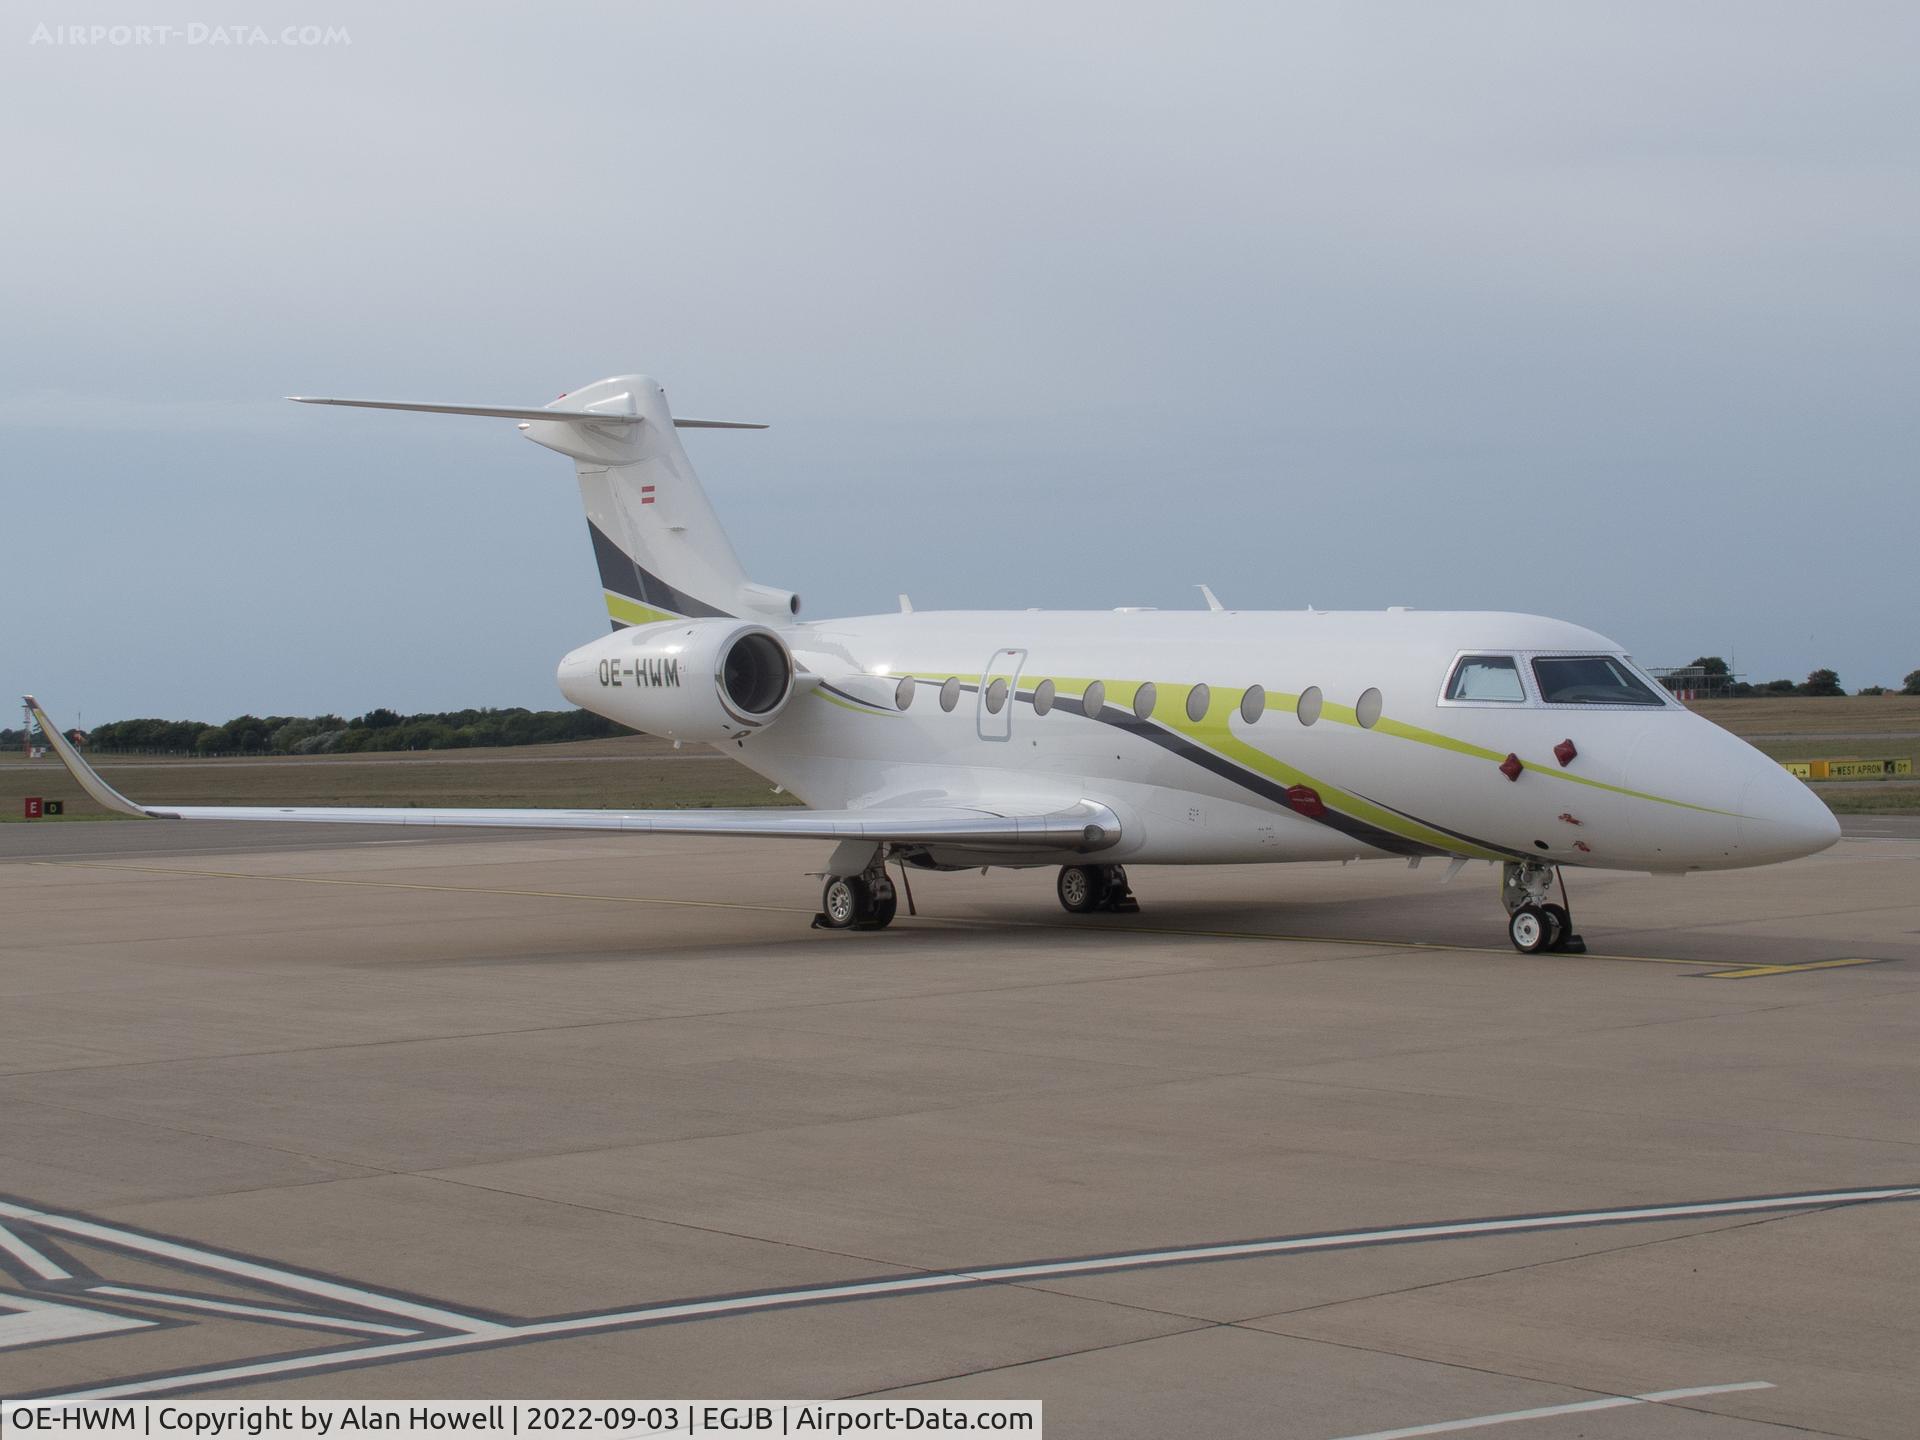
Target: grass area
point(629, 773)
point(1805, 715)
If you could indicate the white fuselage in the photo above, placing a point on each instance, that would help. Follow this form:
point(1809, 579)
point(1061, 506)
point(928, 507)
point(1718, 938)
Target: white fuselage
point(1406, 772)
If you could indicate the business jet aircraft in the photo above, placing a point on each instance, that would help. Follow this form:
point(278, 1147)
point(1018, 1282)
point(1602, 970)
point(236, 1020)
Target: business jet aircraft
point(1090, 739)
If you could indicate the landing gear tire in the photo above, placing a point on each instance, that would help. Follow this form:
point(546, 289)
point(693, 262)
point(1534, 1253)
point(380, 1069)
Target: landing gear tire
point(844, 902)
point(853, 902)
point(1532, 929)
point(1086, 888)
point(1562, 927)
point(882, 913)
point(1119, 897)
point(1080, 888)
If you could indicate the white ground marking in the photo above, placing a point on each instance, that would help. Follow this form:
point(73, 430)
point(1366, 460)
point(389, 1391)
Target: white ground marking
point(252, 1270)
point(255, 1312)
point(39, 1264)
point(906, 1284)
point(1611, 1402)
point(34, 1322)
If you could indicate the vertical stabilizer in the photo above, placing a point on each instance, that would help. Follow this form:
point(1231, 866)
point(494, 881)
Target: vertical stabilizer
point(659, 547)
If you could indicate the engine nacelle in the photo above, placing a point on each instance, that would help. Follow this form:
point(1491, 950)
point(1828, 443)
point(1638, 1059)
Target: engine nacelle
point(705, 680)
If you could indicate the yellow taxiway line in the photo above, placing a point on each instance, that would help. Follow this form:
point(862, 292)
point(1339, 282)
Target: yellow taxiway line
point(1752, 972)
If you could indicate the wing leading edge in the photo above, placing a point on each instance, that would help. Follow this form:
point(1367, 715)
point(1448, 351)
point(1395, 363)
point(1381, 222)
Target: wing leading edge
point(1086, 826)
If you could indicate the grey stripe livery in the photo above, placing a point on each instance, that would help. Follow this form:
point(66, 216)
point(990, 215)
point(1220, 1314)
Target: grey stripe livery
point(623, 575)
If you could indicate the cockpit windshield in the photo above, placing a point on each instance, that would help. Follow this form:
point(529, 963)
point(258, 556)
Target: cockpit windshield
point(1591, 680)
point(1486, 677)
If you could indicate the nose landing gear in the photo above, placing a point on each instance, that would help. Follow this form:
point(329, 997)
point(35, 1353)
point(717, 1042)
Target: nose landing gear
point(1086, 888)
point(1534, 923)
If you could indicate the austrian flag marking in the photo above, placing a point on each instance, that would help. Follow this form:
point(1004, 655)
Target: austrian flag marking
point(646, 494)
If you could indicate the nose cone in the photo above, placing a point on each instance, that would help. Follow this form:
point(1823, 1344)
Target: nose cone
point(1781, 819)
point(1710, 801)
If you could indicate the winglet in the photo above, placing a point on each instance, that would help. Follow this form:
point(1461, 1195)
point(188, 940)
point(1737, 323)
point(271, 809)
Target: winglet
point(1213, 602)
point(89, 780)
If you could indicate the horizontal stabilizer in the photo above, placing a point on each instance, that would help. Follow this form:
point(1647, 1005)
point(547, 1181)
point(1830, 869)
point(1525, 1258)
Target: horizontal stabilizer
point(524, 412)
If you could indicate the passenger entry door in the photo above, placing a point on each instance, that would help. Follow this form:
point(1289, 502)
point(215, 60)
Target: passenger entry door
point(998, 683)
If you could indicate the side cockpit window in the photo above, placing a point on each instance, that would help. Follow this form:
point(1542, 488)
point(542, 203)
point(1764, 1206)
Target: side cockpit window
point(1591, 680)
point(1486, 677)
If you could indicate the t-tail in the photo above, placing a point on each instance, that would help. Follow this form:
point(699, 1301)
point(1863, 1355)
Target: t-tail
point(660, 549)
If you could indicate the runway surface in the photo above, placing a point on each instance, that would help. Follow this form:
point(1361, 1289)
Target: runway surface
point(1300, 1151)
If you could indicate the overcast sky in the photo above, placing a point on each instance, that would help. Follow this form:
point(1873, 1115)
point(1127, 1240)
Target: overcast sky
point(1607, 312)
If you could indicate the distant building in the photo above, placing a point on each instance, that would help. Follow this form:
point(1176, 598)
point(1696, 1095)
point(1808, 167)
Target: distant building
point(1696, 682)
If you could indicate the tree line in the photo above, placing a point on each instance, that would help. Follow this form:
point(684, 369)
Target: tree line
point(376, 730)
point(1818, 682)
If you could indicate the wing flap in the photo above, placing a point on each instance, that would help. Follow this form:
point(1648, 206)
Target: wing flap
point(1075, 828)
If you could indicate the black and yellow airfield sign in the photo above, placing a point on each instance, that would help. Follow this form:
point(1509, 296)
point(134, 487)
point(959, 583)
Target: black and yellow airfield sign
point(1847, 769)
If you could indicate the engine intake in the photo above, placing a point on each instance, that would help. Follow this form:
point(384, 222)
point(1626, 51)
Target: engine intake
point(756, 676)
point(707, 680)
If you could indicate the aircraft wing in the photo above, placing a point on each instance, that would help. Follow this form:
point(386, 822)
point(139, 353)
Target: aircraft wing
point(1085, 826)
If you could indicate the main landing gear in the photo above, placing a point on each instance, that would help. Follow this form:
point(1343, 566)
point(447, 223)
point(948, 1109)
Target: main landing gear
point(866, 901)
point(1086, 888)
point(1535, 923)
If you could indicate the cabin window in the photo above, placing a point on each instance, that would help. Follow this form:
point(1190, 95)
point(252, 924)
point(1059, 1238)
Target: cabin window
point(903, 693)
point(1308, 706)
point(1253, 704)
point(1367, 709)
point(1198, 699)
point(1094, 700)
point(950, 693)
point(1143, 700)
point(996, 696)
point(1486, 677)
point(1591, 680)
point(1043, 697)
